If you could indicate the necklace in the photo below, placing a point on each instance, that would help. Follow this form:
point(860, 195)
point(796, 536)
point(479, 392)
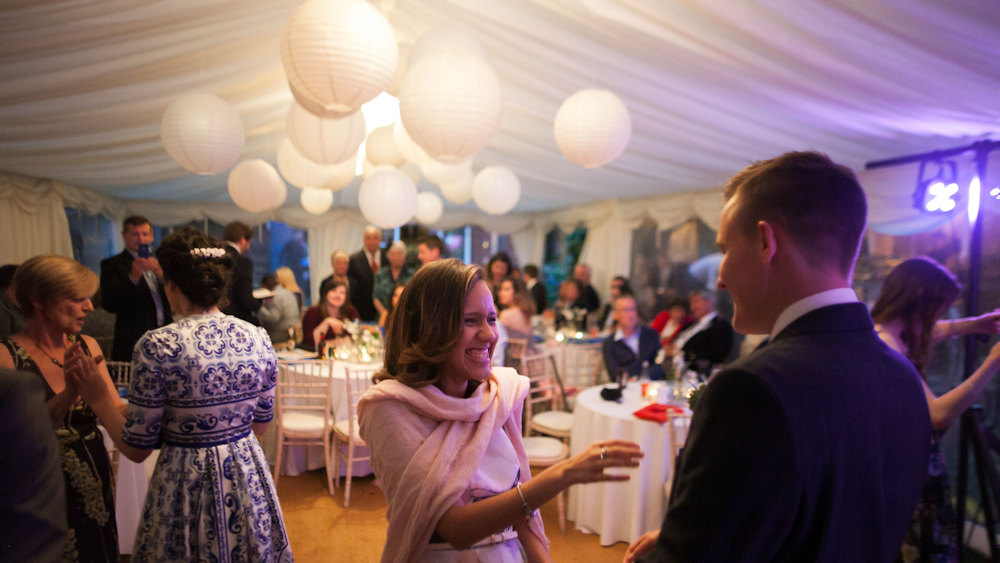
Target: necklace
point(39, 346)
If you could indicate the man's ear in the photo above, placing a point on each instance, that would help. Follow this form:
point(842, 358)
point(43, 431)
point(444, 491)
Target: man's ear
point(767, 241)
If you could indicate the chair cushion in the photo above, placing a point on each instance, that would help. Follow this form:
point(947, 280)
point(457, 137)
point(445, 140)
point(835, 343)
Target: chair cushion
point(540, 448)
point(302, 423)
point(553, 422)
point(343, 427)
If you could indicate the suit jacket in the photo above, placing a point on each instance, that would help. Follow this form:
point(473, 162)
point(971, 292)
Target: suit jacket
point(32, 498)
point(132, 304)
point(540, 297)
point(11, 320)
point(588, 299)
point(812, 448)
point(242, 303)
point(712, 344)
point(362, 281)
point(618, 356)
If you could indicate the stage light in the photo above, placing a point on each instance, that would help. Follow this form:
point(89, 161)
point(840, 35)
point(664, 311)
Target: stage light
point(937, 192)
point(974, 200)
point(995, 192)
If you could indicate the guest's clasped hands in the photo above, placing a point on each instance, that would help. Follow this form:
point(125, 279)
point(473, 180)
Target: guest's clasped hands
point(83, 374)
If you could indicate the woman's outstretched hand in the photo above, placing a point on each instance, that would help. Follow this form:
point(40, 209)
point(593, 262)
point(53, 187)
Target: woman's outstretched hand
point(588, 466)
point(988, 323)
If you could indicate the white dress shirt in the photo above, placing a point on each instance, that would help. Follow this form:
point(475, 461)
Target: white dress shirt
point(692, 330)
point(375, 257)
point(811, 303)
point(631, 341)
point(154, 290)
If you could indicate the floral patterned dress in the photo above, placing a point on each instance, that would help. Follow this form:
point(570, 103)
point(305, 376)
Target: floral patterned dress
point(933, 533)
point(92, 534)
point(198, 385)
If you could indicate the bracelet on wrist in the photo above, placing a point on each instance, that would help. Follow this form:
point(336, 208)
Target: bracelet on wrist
point(528, 512)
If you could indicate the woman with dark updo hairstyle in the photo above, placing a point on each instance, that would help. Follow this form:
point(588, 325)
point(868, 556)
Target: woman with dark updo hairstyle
point(204, 387)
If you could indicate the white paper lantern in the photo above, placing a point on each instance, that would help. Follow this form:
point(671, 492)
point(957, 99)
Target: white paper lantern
point(412, 171)
point(496, 190)
point(380, 148)
point(300, 172)
point(458, 192)
point(592, 128)
point(401, 66)
point(338, 54)
point(255, 186)
point(367, 168)
point(323, 140)
point(429, 208)
point(315, 200)
point(450, 104)
point(202, 133)
point(388, 198)
point(445, 39)
point(442, 173)
point(341, 174)
point(410, 150)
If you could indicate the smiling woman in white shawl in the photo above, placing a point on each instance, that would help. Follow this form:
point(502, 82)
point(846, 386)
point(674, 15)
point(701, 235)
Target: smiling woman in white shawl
point(444, 430)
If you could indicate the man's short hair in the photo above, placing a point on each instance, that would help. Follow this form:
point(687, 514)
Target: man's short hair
point(268, 281)
point(531, 270)
point(819, 203)
point(433, 241)
point(624, 295)
point(238, 230)
point(704, 294)
point(373, 230)
point(134, 221)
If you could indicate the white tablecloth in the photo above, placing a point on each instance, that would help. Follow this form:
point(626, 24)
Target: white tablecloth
point(130, 494)
point(620, 512)
point(298, 459)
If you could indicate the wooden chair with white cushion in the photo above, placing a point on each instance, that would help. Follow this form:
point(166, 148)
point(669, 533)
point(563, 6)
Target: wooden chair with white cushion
point(583, 366)
point(678, 425)
point(542, 452)
point(544, 412)
point(514, 353)
point(303, 412)
point(356, 382)
point(121, 373)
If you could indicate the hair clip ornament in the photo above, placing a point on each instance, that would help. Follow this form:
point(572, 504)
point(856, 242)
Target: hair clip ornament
point(208, 253)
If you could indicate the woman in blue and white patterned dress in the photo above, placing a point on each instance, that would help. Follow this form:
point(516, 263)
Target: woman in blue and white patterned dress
point(204, 387)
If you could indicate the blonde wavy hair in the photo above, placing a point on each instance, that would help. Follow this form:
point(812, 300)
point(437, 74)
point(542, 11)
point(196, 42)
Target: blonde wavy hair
point(48, 278)
point(286, 279)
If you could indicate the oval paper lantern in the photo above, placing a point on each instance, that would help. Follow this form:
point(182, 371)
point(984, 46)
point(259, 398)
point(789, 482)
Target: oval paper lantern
point(458, 192)
point(202, 133)
point(496, 190)
point(442, 173)
point(429, 208)
point(411, 170)
point(401, 66)
point(380, 148)
point(255, 186)
point(338, 54)
point(592, 128)
point(300, 172)
point(450, 104)
point(341, 174)
point(388, 198)
point(315, 200)
point(445, 39)
point(406, 147)
point(324, 140)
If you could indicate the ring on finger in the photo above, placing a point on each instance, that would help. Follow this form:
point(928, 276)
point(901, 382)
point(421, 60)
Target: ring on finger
point(604, 452)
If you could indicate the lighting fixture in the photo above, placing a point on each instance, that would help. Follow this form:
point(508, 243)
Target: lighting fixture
point(937, 190)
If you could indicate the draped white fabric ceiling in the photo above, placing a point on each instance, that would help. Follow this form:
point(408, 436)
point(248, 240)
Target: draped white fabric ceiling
point(710, 85)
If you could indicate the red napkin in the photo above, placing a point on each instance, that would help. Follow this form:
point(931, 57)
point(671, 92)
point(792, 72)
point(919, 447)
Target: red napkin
point(657, 412)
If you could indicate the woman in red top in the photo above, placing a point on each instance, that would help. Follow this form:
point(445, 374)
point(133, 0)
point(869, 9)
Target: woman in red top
point(326, 320)
point(671, 322)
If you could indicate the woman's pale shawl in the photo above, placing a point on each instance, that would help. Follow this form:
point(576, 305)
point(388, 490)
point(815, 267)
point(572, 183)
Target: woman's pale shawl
point(426, 446)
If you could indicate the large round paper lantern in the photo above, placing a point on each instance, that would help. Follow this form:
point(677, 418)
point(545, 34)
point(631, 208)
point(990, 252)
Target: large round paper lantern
point(202, 133)
point(380, 148)
point(429, 208)
point(401, 66)
point(388, 198)
point(316, 200)
point(255, 186)
point(592, 128)
point(450, 104)
point(410, 150)
point(445, 39)
point(338, 54)
point(442, 173)
point(367, 168)
point(411, 170)
point(458, 192)
point(322, 140)
point(341, 174)
point(300, 172)
point(496, 190)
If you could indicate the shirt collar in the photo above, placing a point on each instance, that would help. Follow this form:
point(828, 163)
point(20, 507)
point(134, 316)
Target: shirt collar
point(811, 303)
point(620, 335)
point(236, 246)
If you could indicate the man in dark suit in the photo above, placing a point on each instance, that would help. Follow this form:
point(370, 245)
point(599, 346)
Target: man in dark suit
point(710, 338)
point(361, 273)
point(536, 288)
point(242, 303)
point(588, 298)
point(132, 289)
point(815, 446)
point(631, 344)
point(33, 497)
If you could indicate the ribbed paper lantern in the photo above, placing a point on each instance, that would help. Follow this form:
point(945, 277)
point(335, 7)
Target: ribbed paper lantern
point(450, 104)
point(202, 133)
point(412, 171)
point(458, 192)
point(401, 66)
point(445, 39)
point(429, 208)
point(388, 198)
point(322, 140)
point(496, 190)
point(255, 186)
point(338, 54)
point(406, 147)
point(316, 200)
point(300, 172)
point(441, 173)
point(592, 128)
point(341, 174)
point(380, 148)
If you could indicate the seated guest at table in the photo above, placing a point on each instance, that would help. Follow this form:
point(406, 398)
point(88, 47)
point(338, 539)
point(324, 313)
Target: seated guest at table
point(619, 286)
point(340, 261)
point(565, 304)
point(672, 322)
point(396, 292)
point(710, 338)
point(211, 497)
point(326, 320)
point(390, 276)
point(444, 429)
point(280, 312)
point(497, 269)
point(517, 307)
point(588, 298)
point(632, 344)
point(286, 279)
point(54, 294)
point(536, 288)
point(11, 320)
point(430, 249)
point(815, 446)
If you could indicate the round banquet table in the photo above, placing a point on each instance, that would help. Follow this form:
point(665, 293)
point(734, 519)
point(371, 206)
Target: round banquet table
point(620, 511)
point(298, 459)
